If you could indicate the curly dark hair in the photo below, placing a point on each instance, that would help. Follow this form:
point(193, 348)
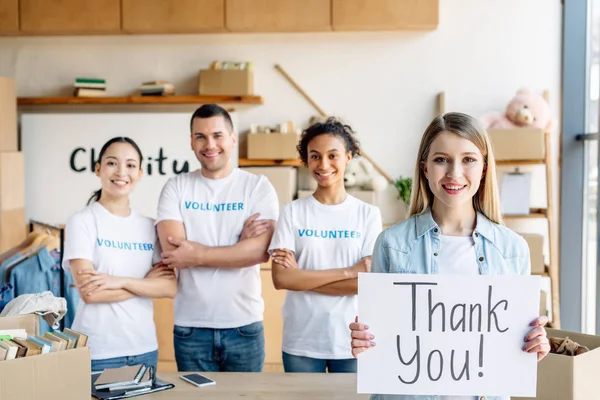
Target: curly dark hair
point(332, 126)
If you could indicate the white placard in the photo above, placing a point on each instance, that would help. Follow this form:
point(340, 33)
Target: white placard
point(58, 151)
point(470, 344)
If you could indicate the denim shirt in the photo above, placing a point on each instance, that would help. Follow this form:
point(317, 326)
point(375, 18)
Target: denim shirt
point(40, 273)
point(412, 247)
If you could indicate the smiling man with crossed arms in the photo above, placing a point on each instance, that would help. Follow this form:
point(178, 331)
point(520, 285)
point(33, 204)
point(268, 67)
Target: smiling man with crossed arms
point(215, 225)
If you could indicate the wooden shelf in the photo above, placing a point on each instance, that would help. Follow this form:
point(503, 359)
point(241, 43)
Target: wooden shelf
point(38, 101)
point(244, 162)
point(520, 162)
point(533, 213)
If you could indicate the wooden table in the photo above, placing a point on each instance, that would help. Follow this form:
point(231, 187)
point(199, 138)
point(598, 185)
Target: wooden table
point(262, 386)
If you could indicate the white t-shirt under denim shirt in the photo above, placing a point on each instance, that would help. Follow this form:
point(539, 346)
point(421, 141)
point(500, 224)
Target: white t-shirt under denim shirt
point(323, 237)
point(213, 212)
point(410, 245)
point(457, 257)
point(118, 246)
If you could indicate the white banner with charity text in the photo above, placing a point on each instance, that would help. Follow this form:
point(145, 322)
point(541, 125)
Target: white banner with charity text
point(60, 150)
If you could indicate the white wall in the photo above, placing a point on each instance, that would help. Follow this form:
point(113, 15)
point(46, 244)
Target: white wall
point(382, 83)
point(56, 140)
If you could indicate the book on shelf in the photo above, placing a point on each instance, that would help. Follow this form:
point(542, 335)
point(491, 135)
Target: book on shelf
point(157, 88)
point(89, 92)
point(89, 87)
point(99, 81)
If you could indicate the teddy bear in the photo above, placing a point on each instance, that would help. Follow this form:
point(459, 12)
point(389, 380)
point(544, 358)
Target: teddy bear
point(527, 109)
point(360, 174)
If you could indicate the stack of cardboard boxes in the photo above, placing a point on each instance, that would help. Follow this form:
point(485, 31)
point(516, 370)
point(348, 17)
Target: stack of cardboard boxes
point(60, 375)
point(13, 225)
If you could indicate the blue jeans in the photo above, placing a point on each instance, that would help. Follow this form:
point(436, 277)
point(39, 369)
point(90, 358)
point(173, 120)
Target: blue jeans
point(293, 363)
point(233, 350)
point(148, 359)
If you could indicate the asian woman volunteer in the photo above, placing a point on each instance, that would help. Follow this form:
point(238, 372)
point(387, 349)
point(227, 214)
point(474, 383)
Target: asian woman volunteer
point(109, 248)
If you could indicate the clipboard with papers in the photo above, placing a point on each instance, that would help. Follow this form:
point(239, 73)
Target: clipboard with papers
point(515, 192)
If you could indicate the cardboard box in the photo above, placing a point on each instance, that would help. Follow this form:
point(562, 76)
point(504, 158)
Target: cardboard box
point(8, 115)
point(536, 250)
point(283, 179)
point(272, 146)
point(226, 82)
point(64, 375)
point(563, 377)
point(368, 196)
point(13, 228)
point(518, 144)
point(12, 180)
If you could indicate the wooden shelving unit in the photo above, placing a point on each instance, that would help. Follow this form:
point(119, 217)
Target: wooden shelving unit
point(244, 162)
point(548, 214)
point(520, 162)
point(533, 213)
point(38, 101)
point(545, 213)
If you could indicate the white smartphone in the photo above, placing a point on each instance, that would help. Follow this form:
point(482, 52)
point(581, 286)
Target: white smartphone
point(197, 379)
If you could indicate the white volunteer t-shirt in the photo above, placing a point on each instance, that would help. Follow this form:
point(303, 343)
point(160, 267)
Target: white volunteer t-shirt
point(323, 237)
point(457, 257)
point(213, 212)
point(118, 246)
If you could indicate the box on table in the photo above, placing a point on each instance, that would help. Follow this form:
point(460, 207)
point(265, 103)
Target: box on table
point(283, 179)
point(272, 146)
point(8, 115)
point(62, 375)
point(518, 143)
point(562, 377)
point(536, 251)
point(226, 82)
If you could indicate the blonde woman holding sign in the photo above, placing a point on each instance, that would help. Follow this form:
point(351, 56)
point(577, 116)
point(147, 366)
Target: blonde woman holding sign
point(454, 225)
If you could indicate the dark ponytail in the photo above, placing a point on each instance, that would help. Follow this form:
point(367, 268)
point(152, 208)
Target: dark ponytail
point(121, 139)
point(95, 196)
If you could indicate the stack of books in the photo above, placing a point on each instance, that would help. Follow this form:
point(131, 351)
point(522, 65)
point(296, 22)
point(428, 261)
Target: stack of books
point(157, 88)
point(16, 343)
point(89, 87)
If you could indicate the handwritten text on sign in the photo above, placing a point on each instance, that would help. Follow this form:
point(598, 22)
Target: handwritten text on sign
point(448, 335)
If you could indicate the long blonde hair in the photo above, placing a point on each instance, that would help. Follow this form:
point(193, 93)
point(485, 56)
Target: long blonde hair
point(486, 200)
